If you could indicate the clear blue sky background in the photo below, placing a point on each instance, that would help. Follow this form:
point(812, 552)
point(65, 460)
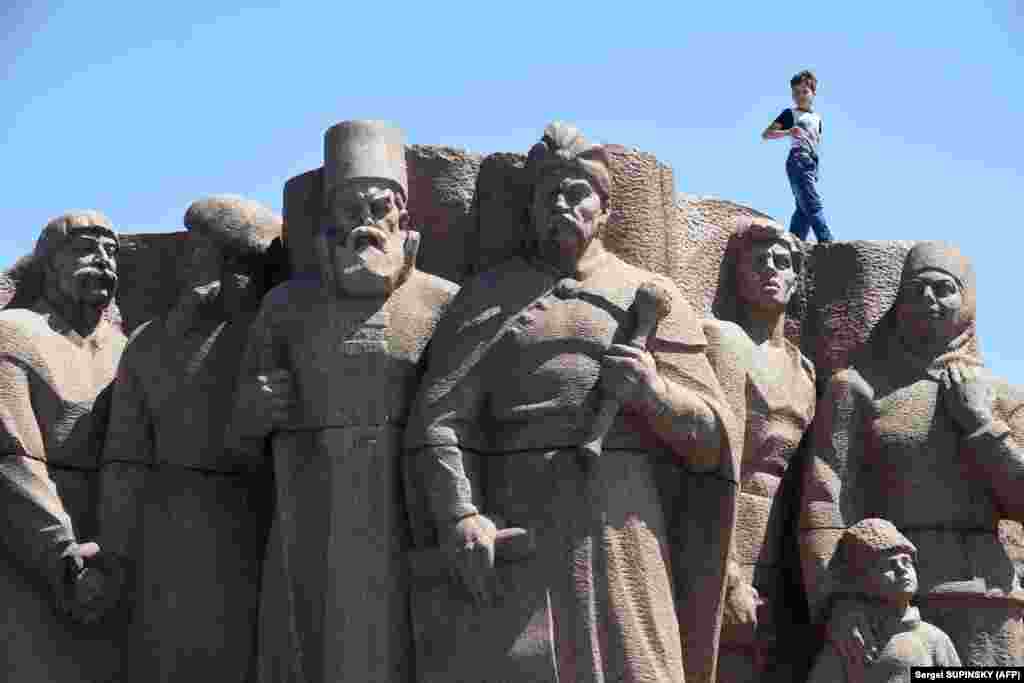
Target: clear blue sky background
point(138, 109)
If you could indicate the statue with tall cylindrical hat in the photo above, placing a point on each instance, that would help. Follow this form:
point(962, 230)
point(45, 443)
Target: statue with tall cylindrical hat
point(348, 341)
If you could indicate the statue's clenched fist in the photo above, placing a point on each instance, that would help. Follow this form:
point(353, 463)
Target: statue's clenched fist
point(263, 403)
point(968, 396)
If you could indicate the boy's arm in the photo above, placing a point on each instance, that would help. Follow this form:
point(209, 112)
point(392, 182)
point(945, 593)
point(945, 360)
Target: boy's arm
point(781, 127)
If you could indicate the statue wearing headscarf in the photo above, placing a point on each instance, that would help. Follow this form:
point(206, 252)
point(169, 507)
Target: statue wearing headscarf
point(919, 432)
point(57, 359)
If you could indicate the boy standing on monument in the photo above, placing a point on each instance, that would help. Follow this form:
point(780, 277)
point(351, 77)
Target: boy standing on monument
point(803, 125)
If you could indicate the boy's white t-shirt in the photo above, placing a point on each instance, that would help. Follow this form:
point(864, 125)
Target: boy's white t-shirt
point(808, 121)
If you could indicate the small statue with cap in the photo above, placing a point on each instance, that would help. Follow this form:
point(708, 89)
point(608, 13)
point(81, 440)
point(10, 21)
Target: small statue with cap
point(330, 368)
point(58, 352)
point(878, 567)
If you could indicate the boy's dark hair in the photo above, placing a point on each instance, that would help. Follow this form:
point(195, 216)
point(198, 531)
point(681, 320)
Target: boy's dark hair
point(805, 76)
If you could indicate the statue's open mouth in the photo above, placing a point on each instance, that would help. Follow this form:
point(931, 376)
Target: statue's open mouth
point(104, 279)
point(363, 237)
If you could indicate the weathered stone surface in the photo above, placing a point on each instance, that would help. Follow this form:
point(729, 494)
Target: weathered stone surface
point(851, 285)
point(442, 182)
point(302, 212)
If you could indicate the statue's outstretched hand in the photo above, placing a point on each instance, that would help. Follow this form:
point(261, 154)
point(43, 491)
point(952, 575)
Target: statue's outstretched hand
point(471, 549)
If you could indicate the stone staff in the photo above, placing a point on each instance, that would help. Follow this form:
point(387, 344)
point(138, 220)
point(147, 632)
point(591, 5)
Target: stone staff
point(651, 304)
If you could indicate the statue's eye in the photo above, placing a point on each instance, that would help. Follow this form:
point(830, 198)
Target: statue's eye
point(783, 262)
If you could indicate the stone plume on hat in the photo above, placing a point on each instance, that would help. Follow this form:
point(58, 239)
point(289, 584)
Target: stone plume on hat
point(564, 144)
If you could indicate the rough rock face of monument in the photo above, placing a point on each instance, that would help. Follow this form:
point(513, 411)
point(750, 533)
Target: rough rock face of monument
point(442, 181)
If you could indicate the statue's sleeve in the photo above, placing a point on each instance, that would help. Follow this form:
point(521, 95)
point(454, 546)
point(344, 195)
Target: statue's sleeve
point(261, 355)
point(444, 432)
point(127, 458)
point(37, 531)
point(997, 450)
point(701, 430)
point(695, 420)
point(829, 502)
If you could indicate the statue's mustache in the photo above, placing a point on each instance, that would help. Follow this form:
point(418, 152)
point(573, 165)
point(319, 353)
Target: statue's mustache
point(106, 275)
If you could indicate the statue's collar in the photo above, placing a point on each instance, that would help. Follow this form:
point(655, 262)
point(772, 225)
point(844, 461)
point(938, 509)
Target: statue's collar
point(97, 339)
point(585, 269)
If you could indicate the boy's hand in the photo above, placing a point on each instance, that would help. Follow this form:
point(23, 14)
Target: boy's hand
point(797, 132)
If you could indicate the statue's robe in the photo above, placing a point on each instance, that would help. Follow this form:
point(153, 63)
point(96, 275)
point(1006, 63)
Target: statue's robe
point(885, 446)
point(53, 409)
point(512, 377)
point(335, 594)
point(772, 393)
point(191, 516)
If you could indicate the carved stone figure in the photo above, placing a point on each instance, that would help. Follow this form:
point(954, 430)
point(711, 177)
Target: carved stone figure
point(770, 386)
point(189, 514)
point(877, 564)
point(57, 359)
point(336, 364)
point(517, 371)
point(919, 432)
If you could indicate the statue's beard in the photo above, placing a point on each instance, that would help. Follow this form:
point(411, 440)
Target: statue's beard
point(565, 242)
point(371, 262)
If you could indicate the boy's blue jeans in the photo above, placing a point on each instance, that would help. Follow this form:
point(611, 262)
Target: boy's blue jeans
point(802, 169)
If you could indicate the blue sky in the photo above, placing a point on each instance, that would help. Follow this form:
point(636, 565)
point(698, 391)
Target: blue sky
point(138, 109)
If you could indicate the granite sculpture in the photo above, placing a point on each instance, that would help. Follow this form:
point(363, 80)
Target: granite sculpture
point(335, 359)
point(186, 511)
point(877, 566)
point(58, 354)
point(919, 432)
point(517, 370)
point(770, 387)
